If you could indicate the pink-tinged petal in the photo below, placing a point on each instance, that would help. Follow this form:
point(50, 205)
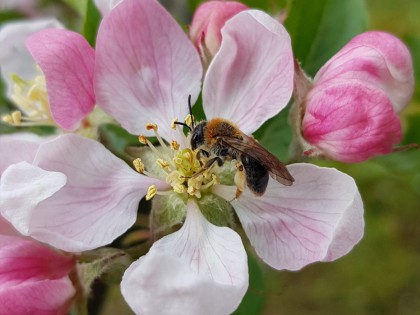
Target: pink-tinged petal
point(97, 204)
point(14, 57)
point(45, 297)
point(348, 231)
point(33, 278)
point(350, 121)
point(26, 260)
point(18, 147)
point(146, 67)
point(376, 58)
point(6, 228)
point(200, 269)
point(251, 77)
point(318, 218)
point(208, 20)
point(105, 6)
point(67, 61)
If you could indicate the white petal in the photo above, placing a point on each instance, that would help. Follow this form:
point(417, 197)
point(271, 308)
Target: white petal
point(318, 218)
point(98, 203)
point(104, 6)
point(251, 77)
point(200, 269)
point(18, 147)
point(145, 67)
point(24, 186)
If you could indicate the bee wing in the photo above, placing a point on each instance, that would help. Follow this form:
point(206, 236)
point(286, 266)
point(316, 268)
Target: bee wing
point(250, 147)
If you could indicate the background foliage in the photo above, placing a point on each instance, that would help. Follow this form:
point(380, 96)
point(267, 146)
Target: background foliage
point(382, 274)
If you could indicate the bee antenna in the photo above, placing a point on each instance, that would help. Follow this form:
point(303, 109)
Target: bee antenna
point(191, 114)
point(182, 124)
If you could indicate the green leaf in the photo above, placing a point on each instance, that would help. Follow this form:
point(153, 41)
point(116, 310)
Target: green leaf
point(80, 6)
point(320, 28)
point(413, 43)
point(6, 16)
point(116, 139)
point(90, 17)
point(412, 134)
point(92, 20)
point(276, 135)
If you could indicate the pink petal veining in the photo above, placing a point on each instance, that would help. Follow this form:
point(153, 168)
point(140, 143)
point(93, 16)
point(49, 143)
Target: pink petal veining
point(208, 20)
point(146, 67)
point(251, 77)
point(318, 218)
point(33, 278)
point(200, 269)
point(97, 203)
point(67, 61)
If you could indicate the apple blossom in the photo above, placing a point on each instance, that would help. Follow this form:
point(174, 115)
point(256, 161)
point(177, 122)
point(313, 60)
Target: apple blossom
point(208, 20)
point(37, 86)
point(350, 113)
point(145, 70)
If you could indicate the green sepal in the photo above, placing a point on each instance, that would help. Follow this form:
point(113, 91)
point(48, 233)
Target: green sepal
point(216, 210)
point(107, 264)
point(167, 211)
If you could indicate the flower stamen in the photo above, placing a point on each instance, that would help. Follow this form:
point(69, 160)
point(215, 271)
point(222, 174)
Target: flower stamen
point(154, 127)
point(32, 100)
point(188, 120)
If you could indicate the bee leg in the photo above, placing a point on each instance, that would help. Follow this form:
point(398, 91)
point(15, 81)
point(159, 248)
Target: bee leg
point(202, 153)
point(240, 180)
point(209, 164)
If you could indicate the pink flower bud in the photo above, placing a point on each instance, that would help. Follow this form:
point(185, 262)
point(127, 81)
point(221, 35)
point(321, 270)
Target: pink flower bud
point(34, 279)
point(208, 20)
point(350, 114)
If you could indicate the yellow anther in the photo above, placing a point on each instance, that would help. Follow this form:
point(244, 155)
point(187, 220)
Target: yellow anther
point(16, 118)
point(31, 98)
point(188, 120)
point(7, 119)
point(163, 164)
point(174, 145)
point(173, 123)
point(142, 139)
point(138, 165)
point(150, 126)
point(151, 192)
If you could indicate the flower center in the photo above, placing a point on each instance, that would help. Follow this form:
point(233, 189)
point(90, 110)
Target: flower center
point(182, 170)
point(31, 98)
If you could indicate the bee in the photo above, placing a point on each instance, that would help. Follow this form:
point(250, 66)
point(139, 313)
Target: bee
point(221, 140)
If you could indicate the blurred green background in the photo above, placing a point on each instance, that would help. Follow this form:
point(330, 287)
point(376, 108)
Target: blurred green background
point(382, 274)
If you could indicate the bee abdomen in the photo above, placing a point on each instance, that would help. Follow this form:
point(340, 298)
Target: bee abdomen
point(257, 176)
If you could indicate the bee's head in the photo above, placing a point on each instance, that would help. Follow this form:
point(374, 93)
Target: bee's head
point(197, 135)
